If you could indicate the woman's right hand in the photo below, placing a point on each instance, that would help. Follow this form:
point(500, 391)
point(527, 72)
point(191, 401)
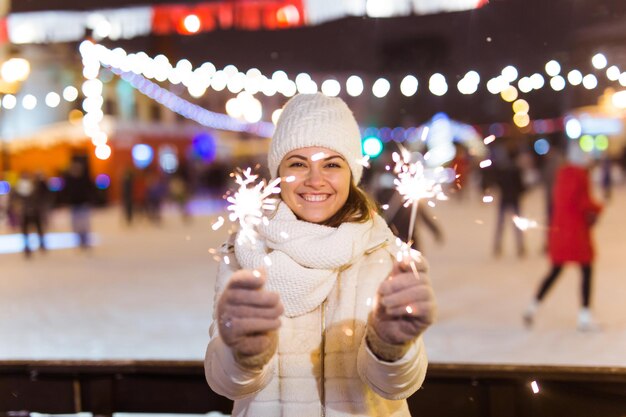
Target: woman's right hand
point(248, 318)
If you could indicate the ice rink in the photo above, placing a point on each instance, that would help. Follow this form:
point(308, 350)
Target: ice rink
point(145, 292)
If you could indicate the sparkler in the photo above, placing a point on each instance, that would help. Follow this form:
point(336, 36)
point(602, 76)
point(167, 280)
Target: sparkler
point(414, 182)
point(250, 202)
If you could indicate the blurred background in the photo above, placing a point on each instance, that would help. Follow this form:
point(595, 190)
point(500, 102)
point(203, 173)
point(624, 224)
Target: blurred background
point(121, 122)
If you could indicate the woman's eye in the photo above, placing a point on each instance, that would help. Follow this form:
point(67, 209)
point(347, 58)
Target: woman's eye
point(333, 165)
point(296, 165)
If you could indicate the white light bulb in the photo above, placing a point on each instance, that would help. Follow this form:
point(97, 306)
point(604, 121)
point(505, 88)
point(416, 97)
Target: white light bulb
point(409, 85)
point(381, 87)
point(574, 77)
point(557, 83)
point(599, 61)
point(331, 88)
point(354, 85)
point(590, 81)
point(53, 99)
point(510, 73)
point(553, 68)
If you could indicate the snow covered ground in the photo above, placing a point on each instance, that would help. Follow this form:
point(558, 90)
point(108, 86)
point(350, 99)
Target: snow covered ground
point(146, 292)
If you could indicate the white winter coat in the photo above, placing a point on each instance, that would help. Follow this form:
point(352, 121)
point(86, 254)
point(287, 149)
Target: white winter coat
point(355, 381)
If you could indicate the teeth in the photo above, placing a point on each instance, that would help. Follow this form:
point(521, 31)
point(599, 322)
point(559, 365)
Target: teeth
point(315, 197)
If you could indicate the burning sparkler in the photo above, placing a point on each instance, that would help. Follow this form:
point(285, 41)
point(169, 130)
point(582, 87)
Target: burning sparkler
point(249, 203)
point(414, 182)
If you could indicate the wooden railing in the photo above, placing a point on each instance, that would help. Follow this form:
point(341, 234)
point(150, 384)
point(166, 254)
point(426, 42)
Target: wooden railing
point(105, 387)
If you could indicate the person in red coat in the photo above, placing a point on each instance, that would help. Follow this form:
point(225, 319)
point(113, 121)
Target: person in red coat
point(569, 238)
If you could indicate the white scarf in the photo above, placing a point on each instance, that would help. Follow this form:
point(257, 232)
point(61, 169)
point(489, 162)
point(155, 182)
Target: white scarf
point(307, 257)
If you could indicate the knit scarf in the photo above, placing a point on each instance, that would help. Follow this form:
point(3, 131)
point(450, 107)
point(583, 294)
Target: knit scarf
point(305, 258)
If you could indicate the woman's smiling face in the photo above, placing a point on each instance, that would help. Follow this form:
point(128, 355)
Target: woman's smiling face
point(315, 183)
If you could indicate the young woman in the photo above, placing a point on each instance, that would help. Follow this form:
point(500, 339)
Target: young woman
point(333, 327)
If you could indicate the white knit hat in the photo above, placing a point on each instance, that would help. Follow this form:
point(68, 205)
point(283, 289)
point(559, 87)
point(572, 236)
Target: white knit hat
point(317, 120)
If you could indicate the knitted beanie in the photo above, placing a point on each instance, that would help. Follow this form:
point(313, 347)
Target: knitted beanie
point(309, 120)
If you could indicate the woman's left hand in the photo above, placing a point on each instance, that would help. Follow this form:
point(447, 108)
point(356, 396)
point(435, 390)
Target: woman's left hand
point(405, 308)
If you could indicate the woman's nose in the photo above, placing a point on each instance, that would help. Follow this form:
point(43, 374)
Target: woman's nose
point(314, 177)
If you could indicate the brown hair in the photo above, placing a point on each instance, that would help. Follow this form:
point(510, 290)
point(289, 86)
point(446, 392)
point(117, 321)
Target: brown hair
point(359, 208)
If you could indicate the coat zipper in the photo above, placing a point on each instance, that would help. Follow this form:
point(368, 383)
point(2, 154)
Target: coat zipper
point(322, 360)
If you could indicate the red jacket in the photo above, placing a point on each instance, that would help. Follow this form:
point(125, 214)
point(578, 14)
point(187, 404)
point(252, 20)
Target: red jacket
point(574, 212)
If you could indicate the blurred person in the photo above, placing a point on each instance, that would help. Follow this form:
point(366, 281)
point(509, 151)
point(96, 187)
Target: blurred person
point(507, 177)
point(128, 203)
point(462, 165)
point(155, 193)
point(79, 189)
point(398, 217)
point(29, 203)
point(179, 193)
point(606, 177)
point(334, 326)
point(574, 214)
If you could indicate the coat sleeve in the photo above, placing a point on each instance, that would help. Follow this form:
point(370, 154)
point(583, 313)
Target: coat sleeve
point(393, 380)
point(400, 379)
point(224, 375)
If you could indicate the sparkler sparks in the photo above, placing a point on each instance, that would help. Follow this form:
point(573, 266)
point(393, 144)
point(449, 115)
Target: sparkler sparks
point(413, 182)
point(524, 223)
point(249, 202)
point(484, 164)
point(219, 223)
point(364, 161)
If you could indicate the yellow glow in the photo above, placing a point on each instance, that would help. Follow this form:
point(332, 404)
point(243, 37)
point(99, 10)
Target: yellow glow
point(521, 119)
point(75, 116)
point(619, 99)
point(15, 69)
point(520, 106)
point(509, 94)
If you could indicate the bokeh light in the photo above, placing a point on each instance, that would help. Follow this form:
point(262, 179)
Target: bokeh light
point(573, 128)
point(437, 84)
point(53, 99)
point(381, 87)
point(541, 146)
point(521, 106)
point(331, 88)
point(372, 146)
point(590, 81)
point(575, 77)
point(557, 83)
point(599, 61)
point(613, 73)
point(521, 119)
point(586, 143)
point(192, 23)
point(553, 68)
point(409, 85)
point(168, 159)
point(103, 181)
point(29, 102)
point(9, 101)
point(142, 155)
point(354, 85)
point(103, 152)
point(56, 184)
point(5, 188)
point(509, 94)
point(204, 146)
point(510, 73)
point(602, 142)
